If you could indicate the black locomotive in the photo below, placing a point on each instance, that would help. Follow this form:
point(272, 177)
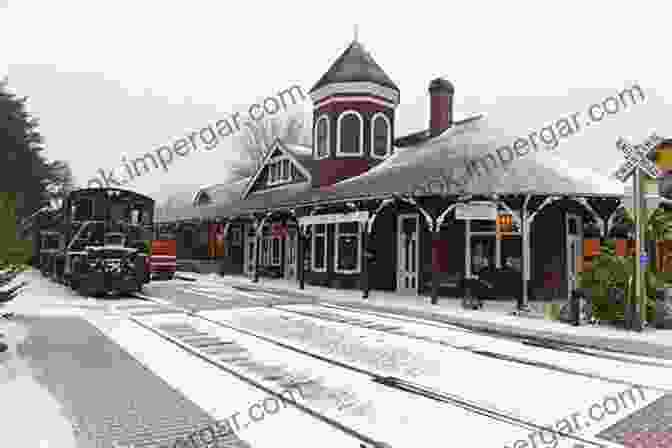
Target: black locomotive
point(96, 242)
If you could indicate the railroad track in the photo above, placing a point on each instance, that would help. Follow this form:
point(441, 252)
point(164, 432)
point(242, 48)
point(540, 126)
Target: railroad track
point(219, 352)
point(397, 330)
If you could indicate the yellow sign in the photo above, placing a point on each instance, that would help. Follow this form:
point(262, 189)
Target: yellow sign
point(664, 157)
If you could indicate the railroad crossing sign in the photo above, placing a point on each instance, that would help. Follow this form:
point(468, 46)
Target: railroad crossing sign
point(638, 162)
point(637, 157)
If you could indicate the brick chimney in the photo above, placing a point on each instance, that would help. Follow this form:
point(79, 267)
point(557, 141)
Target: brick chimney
point(441, 105)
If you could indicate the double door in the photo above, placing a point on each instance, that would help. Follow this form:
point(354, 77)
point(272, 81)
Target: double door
point(291, 254)
point(250, 251)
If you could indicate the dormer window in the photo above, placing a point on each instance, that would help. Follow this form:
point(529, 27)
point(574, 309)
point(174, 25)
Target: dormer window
point(380, 136)
point(203, 198)
point(350, 134)
point(279, 171)
point(322, 138)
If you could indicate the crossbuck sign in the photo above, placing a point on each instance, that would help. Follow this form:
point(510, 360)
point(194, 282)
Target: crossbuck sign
point(637, 157)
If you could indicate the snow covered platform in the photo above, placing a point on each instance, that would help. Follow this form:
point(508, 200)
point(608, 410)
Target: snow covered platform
point(495, 317)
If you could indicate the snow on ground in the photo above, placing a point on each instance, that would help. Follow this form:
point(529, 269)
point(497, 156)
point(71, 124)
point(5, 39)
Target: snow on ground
point(531, 393)
point(492, 314)
point(217, 392)
point(395, 417)
point(31, 416)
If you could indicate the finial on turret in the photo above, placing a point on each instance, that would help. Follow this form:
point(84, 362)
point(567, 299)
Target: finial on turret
point(356, 32)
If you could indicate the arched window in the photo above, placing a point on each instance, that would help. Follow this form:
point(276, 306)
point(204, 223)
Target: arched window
point(203, 198)
point(380, 136)
point(322, 137)
point(350, 130)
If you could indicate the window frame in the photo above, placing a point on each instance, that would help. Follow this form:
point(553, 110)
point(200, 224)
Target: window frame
point(275, 171)
point(358, 235)
point(388, 146)
point(313, 246)
point(273, 241)
point(339, 131)
point(317, 141)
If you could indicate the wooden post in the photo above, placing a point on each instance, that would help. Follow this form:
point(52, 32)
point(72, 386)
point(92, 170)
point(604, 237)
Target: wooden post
point(436, 234)
point(300, 257)
point(364, 275)
point(257, 250)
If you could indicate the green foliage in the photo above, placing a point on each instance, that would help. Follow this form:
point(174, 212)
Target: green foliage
point(23, 168)
point(13, 252)
point(611, 271)
point(608, 271)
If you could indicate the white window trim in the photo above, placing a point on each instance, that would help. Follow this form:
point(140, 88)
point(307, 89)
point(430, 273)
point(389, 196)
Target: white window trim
point(361, 135)
point(313, 236)
point(358, 234)
point(280, 181)
point(266, 258)
point(279, 261)
point(373, 136)
point(317, 156)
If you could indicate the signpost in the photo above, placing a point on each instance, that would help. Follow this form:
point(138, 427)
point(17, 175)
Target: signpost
point(637, 162)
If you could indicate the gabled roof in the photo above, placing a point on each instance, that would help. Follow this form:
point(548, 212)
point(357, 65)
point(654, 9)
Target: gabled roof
point(223, 193)
point(355, 65)
point(299, 154)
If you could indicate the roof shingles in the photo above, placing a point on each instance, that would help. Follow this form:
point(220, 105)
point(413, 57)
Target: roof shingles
point(355, 65)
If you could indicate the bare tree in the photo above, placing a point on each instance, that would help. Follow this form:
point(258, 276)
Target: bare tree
point(64, 183)
point(260, 135)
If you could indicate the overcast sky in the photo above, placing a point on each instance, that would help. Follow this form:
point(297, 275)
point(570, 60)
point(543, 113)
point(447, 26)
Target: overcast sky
point(124, 77)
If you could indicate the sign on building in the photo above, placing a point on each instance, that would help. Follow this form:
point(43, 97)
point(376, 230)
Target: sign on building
point(476, 210)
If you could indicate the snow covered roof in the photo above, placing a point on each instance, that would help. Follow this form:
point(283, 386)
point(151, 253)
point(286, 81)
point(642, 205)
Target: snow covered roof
point(355, 64)
point(222, 193)
point(417, 170)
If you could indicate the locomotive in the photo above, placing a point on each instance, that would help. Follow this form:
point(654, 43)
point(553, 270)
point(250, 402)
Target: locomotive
point(96, 243)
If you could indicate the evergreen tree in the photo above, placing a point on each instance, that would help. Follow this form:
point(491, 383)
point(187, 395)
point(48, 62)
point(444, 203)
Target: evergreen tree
point(23, 169)
point(14, 252)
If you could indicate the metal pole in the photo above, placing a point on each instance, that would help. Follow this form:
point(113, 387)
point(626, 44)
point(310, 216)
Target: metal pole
point(637, 284)
point(643, 248)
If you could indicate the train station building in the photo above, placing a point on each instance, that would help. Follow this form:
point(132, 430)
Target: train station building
point(366, 209)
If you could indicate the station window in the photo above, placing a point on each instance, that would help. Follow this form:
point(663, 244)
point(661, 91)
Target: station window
point(347, 253)
point(270, 251)
point(279, 171)
point(319, 248)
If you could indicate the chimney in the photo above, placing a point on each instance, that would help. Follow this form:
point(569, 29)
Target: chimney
point(441, 105)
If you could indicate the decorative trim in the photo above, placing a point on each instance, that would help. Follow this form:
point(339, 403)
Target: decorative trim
point(361, 216)
point(276, 145)
point(358, 234)
point(373, 136)
point(360, 153)
point(312, 249)
point(352, 99)
point(316, 156)
point(355, 87)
